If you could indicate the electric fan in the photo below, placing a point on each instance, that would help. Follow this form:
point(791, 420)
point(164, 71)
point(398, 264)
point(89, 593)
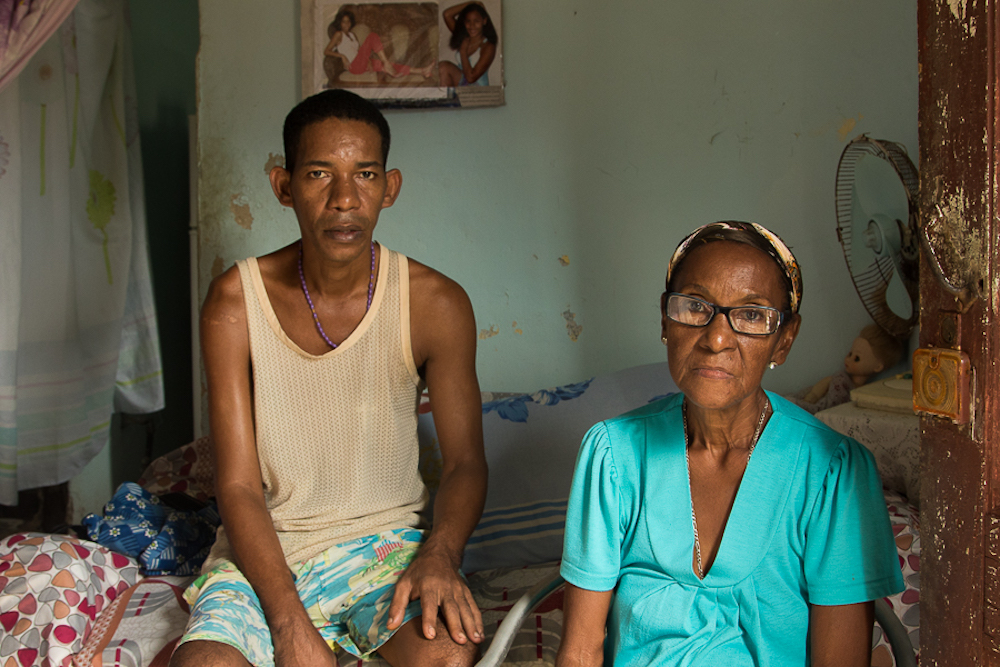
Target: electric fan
point(877, 227)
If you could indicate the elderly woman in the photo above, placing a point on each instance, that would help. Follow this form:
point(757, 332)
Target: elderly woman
point(723, 525)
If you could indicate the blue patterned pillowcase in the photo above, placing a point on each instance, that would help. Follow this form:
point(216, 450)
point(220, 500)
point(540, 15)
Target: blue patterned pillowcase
point(531, 445)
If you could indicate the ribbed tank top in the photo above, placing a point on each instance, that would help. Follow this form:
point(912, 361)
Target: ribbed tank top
point(336, 433)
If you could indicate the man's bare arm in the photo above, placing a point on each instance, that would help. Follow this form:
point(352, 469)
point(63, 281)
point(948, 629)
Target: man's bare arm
point(239, 488)
point(444, 343)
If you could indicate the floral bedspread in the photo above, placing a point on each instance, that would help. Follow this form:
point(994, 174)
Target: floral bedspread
point(66, 602)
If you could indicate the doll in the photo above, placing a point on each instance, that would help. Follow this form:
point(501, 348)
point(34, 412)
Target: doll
point(873, 351)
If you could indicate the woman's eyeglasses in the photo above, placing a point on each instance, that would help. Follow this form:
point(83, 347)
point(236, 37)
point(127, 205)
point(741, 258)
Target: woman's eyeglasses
point(750, 320)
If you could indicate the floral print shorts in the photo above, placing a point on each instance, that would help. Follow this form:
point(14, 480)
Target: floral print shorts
point(346, 591)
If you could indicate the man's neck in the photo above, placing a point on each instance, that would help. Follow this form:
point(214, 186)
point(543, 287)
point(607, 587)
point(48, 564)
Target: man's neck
point(338, 279)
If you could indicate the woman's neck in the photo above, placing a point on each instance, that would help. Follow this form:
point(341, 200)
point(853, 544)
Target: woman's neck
point(726, 429)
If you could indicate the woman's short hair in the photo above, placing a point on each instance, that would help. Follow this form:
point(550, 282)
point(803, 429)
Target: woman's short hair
point(489, 31)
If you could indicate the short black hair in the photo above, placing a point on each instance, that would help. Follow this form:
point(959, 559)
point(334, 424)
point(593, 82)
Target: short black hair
point(335, 103)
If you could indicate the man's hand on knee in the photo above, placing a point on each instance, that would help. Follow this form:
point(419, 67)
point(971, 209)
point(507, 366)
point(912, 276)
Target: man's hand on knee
point(434, 580)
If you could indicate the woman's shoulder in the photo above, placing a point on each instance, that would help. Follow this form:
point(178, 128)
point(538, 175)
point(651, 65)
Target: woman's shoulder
point(820, 446)
point(795, 418)
point(657, 408)
point(634, 426)
point(624, 441)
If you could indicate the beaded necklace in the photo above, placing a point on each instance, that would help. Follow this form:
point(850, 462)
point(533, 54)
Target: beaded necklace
point(687, 460)
point(305, 290)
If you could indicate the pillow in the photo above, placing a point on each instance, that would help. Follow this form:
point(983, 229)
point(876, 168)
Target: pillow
point(187, 469)
point(141, 627)
point(531, 445)
point(53, 587)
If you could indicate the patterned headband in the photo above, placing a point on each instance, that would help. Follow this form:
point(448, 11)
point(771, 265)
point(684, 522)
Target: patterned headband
point(778, 250)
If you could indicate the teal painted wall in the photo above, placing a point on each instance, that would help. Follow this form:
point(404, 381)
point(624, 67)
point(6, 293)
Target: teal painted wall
point(626, 125)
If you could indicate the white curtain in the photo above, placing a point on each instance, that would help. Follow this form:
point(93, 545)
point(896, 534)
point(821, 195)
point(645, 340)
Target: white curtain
point(24, 26)
point(78, 335)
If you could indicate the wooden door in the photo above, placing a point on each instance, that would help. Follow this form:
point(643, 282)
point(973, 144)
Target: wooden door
point(960, 489)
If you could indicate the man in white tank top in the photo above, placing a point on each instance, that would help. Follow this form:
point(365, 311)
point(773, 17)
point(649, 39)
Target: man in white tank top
point(315, 356)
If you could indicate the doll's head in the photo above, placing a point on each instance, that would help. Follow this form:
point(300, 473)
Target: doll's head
point(873, 351)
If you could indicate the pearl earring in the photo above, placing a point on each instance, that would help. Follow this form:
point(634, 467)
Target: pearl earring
point(664, 339)
point(772, 365)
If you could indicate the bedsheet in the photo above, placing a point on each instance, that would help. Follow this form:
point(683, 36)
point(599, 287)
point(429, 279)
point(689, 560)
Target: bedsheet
point(135, 622)
point(143, 625)
point(123, 620)
point(52, 590)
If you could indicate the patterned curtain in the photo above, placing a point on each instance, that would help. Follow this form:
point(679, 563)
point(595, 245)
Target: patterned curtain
point(24, 26)
point(78, 336)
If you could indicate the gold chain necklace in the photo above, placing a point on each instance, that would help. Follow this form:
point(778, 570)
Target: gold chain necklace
point(687, 461)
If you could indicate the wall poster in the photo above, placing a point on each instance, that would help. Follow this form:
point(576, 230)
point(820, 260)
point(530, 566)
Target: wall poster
point(402, 54)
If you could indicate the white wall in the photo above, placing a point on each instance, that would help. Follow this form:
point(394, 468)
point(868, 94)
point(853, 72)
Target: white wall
point(626, 125)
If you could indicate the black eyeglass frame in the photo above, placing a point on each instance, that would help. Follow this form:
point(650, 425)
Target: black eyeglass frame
point(725, 310)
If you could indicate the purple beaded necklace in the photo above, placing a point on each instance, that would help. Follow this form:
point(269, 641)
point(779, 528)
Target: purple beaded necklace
point(305, 290)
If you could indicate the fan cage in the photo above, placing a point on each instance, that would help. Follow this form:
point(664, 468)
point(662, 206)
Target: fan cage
point(871, 281)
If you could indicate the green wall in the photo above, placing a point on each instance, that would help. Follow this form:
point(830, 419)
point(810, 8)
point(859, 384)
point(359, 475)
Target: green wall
point(626, 125)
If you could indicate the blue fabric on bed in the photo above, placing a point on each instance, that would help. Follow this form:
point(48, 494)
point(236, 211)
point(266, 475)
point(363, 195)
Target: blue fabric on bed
point(164, 540)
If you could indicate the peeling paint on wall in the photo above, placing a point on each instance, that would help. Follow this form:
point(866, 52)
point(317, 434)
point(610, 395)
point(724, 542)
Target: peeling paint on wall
point(489, 333)
point(847, 127)
point(572, 327)
point(240, 207)
point(564, 260)
point(956, 250)
point(218, 266)
point(960, 10)
point(516, 330)
point(273, 161)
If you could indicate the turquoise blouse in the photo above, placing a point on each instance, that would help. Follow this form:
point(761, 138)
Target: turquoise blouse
point(808, 526)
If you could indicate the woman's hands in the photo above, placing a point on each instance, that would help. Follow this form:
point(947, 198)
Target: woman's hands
point(486, 54)
point(467, 49)
point(452, 13)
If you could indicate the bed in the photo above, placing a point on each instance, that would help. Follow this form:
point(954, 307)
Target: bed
point(69, 601)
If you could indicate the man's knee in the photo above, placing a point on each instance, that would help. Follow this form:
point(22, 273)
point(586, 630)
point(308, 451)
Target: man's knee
point(207, 654)
point(454, 655)
point(409, 648)
point(443, 653)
